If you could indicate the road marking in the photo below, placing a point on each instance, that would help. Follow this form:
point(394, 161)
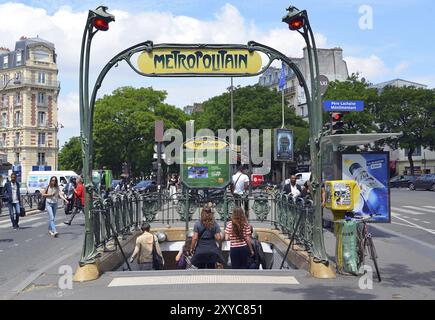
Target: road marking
point(35, 225)
point(22, 221)
point(41, 235)
point(200, 279)
point(403, 225)
point(417, 226)
point(407, 211)
point(427, 222)
point(418, 208)
point(430, 207)
point(28, 240)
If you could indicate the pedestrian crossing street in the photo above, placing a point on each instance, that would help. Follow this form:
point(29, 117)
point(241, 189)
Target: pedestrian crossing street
point(39, 220)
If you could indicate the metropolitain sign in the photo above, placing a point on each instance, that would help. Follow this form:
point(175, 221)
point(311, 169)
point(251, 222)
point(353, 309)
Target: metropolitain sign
point(209, 61)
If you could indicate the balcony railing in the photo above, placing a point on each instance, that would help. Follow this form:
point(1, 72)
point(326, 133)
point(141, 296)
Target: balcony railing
point(33, 82)
point(290, 91)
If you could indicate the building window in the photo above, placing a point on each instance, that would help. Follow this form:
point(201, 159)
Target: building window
point(41, 77)
point(5, 79)
point(4, 101)
point(41, 98)
point(17, 98)
point(417, 152)
point(41, 118)
point(17, 139)
point(5, 61)
point(18, 118)
point(17, 157)
point(4, 119)
point(41, 55)
point(302, 112)
point(41, 139)
point(19, 58)
point(18, 76)
point(41, 159)
point(4, 137)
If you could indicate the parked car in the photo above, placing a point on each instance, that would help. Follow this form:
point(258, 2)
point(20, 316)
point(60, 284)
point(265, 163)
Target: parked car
point(402, 181)
point(146, 186)
point(37, 181)
point(425, 182)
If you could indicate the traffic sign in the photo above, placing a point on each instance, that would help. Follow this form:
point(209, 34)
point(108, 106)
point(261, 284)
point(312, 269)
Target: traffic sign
point(257, 179)
point(343, 105)
point(324, 83)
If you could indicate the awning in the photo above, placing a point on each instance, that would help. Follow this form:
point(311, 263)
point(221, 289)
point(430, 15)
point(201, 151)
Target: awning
point(357, 139)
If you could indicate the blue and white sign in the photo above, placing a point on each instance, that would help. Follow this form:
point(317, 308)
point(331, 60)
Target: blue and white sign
point(343, 105)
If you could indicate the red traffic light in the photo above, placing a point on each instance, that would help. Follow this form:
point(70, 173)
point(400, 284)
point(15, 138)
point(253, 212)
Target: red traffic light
point(101, 24)
point(296, 23)
point(336, 116)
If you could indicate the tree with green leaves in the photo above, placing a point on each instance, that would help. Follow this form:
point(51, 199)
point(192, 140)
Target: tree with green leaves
point(255, 107)
point(70, 156)
point(124, 127)
point(411, 111)
point(355, 89)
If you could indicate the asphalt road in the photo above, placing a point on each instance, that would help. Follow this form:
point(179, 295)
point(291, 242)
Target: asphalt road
point(413, 214)
point(29, 251)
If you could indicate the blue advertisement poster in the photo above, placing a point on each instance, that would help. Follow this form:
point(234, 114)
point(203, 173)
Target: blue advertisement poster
point(371, 173)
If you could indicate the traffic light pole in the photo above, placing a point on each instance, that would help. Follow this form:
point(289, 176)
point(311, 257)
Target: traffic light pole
point(98, 19)
point(299, 19)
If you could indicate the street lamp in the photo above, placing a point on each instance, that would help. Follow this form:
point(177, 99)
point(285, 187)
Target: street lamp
point(297, 20)
point(98, 20)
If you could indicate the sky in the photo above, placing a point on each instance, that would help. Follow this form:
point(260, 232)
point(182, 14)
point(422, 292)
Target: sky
point(393, 44)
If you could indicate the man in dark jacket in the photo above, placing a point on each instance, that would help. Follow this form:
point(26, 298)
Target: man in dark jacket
point(293, 188)
point(11, 193)
point(258, 258)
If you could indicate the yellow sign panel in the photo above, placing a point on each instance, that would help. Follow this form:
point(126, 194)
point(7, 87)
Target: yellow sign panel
point(205, 145)
point(199, 61)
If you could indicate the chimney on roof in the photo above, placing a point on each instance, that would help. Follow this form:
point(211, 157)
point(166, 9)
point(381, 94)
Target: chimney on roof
point(4, 50)
point(23, 38)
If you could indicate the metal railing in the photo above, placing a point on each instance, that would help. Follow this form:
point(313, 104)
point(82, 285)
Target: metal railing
point(121, 213)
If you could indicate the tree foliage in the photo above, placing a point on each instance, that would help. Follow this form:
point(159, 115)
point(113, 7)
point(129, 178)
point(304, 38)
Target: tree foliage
point(70, 156)
point(124, 127)
point(255, 107)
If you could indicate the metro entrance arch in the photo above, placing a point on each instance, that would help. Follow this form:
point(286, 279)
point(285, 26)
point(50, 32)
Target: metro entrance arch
point(198, 60)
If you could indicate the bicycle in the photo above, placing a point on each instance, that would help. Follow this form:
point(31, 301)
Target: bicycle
point(365, 243)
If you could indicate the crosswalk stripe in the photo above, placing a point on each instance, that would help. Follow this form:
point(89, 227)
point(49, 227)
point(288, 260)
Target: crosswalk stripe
point(413, 212)
point(21, 222)
point(420, 209)
point(35, 225)
point(201, 279)
point(430, 207)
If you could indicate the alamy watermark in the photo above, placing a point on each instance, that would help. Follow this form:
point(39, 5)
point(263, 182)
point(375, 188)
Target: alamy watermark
point(255, 147)
point(66, 279)
point(365, 282)
point(366, 20)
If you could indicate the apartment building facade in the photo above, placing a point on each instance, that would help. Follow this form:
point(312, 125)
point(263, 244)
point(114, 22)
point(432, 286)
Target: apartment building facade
point(28, 107)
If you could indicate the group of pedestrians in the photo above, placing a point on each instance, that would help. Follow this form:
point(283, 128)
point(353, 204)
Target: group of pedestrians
point(51, 195)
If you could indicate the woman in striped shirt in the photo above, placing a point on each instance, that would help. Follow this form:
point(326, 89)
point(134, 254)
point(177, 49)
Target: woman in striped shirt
point(238, 231)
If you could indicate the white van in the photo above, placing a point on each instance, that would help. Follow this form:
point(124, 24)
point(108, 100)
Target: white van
point(37, 181)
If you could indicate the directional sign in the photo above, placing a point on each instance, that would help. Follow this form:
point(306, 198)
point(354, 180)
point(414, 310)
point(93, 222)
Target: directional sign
point(343, 105)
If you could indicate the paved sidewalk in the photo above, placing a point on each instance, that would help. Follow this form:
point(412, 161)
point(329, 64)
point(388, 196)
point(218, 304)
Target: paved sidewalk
point(407, 273)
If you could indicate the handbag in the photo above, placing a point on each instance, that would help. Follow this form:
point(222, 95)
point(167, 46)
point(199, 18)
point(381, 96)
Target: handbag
point(22, 212)
point(181, 264)
point(157, 259)
point(41, 204)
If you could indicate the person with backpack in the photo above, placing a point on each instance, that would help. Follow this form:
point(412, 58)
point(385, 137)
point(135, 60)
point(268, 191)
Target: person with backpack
point(238, 231)
point(258, 259)
point(68, 191)
point(78, 199)
point(11, 194)
point(239, 187)
point(145, 245)
point(206, 232)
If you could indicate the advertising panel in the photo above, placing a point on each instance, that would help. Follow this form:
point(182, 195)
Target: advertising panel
point(205, 164)
point(371, 173)
point(283, 146)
